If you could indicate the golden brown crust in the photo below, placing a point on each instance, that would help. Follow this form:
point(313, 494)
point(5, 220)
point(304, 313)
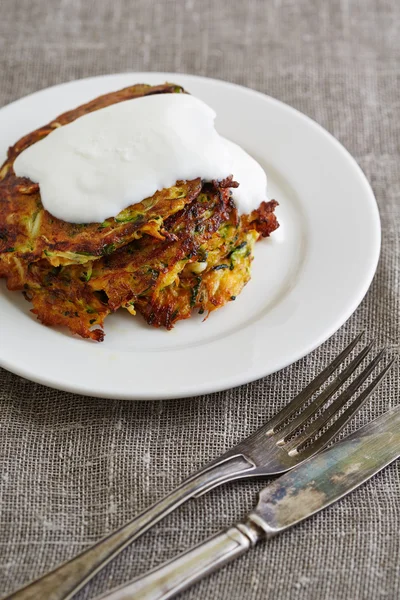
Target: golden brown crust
point(81, 296)
point(228, 253)
point(147, 265)
point(28, 232)
point(151, 276)
point(66, 301)
point(263, 219)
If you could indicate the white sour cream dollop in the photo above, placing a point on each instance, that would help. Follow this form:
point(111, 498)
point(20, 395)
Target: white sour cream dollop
point(101, 163)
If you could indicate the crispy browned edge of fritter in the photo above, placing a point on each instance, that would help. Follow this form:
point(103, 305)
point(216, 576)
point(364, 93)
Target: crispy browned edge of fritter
point(21, 198)
point(198, 291)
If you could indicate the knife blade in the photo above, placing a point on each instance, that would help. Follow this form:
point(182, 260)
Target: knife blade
point(329, 476)
point(302, 492)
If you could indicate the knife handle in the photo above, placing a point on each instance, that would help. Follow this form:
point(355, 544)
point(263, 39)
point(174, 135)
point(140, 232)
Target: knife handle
point(65, 580)
point(179, 573)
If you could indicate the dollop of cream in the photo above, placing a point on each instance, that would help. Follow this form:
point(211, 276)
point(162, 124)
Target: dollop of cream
point(104, 161)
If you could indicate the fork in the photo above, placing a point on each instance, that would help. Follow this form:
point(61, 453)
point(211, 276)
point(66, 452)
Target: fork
point(284, 442)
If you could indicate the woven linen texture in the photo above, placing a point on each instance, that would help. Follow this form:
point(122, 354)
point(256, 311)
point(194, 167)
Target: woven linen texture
point(74, 468)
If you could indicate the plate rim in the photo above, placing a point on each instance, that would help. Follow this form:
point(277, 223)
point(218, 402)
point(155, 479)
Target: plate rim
point(236, 379)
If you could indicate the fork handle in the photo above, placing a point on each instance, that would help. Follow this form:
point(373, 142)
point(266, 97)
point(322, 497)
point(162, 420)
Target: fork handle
point(178, 574)
point(64, 581)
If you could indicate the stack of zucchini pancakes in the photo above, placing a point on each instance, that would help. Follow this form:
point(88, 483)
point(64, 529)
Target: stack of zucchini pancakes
point(184, 249)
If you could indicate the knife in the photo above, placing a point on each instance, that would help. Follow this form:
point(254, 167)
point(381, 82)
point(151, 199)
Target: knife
point(300, 493)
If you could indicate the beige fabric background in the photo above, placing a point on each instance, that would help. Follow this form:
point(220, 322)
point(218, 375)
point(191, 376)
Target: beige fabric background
point(74, 468)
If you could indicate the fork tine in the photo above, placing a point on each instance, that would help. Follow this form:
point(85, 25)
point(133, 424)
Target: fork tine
point(324, 396)
point(338, 425)
point(311, 388)
point(336, 405)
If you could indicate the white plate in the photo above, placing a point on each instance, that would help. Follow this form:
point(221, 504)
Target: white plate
point(308, 278)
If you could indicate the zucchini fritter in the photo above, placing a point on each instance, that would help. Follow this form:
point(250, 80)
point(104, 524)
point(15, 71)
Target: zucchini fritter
point(81, 296)
point(183, 249)
point(217, 276)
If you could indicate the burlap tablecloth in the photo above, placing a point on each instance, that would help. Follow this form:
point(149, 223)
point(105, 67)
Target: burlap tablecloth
point(74, 468)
